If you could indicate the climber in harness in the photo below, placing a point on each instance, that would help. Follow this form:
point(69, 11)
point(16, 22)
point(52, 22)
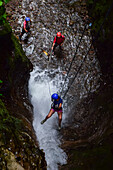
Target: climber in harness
point(55, 107)
point(25, 27)
point(58, 40)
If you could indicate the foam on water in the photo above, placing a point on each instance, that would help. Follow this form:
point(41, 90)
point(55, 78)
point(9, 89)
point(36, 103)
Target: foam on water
point(47, 134)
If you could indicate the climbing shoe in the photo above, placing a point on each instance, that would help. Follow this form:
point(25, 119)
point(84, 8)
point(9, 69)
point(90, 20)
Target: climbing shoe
point(42, 122)
point(59, 128)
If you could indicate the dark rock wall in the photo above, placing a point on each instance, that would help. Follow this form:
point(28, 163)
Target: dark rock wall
point(101, 13)
point(14, 72)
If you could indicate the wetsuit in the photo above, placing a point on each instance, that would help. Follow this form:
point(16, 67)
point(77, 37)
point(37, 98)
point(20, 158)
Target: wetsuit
point(58, 41)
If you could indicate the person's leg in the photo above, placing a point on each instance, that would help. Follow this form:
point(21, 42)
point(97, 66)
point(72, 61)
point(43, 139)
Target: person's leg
point(28, 29)
point(23, 31)
point(60, 47)
point(51, 112)
point(60, 117)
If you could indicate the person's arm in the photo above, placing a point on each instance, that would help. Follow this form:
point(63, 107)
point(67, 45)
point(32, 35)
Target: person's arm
point(25, 27)
point(53, 46)
point(53, 43)
point(52, 105)
point(25, 30)
point(60, 105)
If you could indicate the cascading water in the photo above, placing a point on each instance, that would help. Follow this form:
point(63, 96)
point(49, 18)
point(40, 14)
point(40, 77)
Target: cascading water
point(47, 134)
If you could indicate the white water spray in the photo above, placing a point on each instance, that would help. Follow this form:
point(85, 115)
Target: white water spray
point(47, 134)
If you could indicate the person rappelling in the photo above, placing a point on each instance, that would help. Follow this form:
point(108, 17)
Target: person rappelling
point(25, 27)
point(56, 106)
point(58, 41)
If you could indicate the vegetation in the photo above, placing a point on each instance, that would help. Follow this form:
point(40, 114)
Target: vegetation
point(18, 49)
point(0, 86)
point(9, 125)
point(16, 145)
point(98, 11)
point(2, 11)
point(3, 22)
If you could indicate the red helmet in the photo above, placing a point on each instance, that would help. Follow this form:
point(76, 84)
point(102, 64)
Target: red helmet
point(59, 34)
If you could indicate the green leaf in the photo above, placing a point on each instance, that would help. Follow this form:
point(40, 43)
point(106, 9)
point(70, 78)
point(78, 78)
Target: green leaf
point(1, 3)
point(1, 81)
point(6, 1)
point(4, 15)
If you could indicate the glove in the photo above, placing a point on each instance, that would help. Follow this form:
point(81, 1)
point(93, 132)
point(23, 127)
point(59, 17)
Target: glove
point(56, 106)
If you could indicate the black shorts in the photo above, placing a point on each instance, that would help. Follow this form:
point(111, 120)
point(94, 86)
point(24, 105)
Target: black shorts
point(27, 28)
point(56, 46)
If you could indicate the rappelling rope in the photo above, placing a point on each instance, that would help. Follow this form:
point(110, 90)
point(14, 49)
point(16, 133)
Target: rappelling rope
point(48, 69)
point(60, 91)
point(88, 50)
point(73, 58)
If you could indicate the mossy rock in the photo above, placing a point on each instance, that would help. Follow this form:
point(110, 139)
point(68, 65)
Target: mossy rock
point(5, 28)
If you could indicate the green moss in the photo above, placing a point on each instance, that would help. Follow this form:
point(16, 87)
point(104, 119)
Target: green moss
point(18, 49)
point(13, 137)
point(2, 10)
point(6, 28)
point(9, 125)
point(19, 53)
point(97, 11)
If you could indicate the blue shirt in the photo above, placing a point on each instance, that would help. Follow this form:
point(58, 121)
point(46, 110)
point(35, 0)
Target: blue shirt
point(56, 104)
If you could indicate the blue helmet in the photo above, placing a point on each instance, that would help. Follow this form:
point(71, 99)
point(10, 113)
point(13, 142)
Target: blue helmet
point(27, 19)
point(54, 96)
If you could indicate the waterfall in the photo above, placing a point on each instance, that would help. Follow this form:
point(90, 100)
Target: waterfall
point(47, 134)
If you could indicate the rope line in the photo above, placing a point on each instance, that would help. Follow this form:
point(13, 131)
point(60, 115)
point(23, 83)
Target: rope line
point(74, 56)
point(76, 51)
point(48, 68)
point(48, 79)
point(89, 50)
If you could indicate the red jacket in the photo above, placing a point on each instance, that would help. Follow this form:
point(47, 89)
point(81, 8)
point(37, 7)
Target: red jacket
point(24, 24)
point(59, 40)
